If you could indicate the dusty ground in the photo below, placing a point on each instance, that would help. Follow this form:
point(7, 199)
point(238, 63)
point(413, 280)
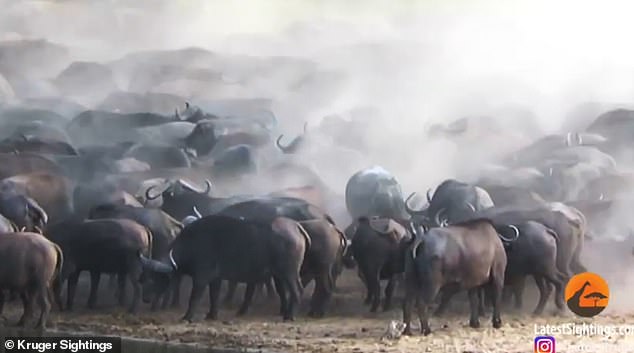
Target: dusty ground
point(350, 328)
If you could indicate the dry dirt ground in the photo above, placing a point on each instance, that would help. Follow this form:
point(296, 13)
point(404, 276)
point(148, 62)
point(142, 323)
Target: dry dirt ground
point(350, 328)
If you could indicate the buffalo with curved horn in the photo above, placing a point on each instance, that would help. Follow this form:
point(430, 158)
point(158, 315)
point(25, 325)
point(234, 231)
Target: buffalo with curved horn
point(295, 145)
point(451, 202)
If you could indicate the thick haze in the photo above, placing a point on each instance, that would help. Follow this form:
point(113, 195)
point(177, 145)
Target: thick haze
point(417, 62)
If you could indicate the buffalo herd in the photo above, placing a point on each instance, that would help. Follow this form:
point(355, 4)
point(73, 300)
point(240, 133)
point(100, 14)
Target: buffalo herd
point(150, 199)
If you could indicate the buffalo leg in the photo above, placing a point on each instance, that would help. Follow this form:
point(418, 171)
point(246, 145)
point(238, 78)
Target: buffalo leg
point(248, 298)
point(94, 286)
point(474, 303)
point(558, 281)
point(27, 302)
point(134, 277)
point(544, 293)
point(518, 292)
point(423, 315)
point(281, 292)
point(408, 305)
point(575, 263)
point(45, 307)
point(214, 295)
point(445, 297)
point(231, 292)
point(374, 287)
point(57, 293)
point(176, 290)
point(270, 289)
point(121, 289)
point(71, 289)
point(496, 286)
point(294, 286)
point(389, 293)
point(198, 287)
point(321, 295)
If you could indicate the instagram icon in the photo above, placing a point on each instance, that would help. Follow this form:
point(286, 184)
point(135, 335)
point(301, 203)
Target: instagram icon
point(545, 344)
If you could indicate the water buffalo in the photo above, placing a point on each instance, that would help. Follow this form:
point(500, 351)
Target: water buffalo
point(101, 246)
point(217, 248)
point(322, 262)
point(465, 256)
point(30, 265)
point(567, 222)
point(534, 253)
point(453, 200)
point(377, 247)
point(375, 192)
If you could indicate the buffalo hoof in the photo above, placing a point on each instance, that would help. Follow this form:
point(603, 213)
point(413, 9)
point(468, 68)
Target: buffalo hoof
point(289, 319)
point(474, 323)
point(497, 323)
point(407, 332)
point(213, 316)
point(425, 331)
point(187, 319)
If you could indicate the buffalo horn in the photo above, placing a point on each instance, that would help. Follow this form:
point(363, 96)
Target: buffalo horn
point(417, 243)
point(517, 234)
point(279, 145)
point(437, 218)
point(409, 209)
point(155, 266)
point(471, 206)
point(198, 215)
point(189, 186)
point(429, 196)
point(569, 139)
point(172, 261)
point(34, 205)
point(166, 185)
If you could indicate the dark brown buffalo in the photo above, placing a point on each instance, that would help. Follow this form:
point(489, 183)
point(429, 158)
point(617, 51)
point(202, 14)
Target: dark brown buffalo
point(534, 253)
point(13, 164)
point(216, 248)
point(30, 265)
point(323, 262)
point(466, 256)
point(51, 191)
point(377, 247)
point(102, 246)
point(567, 222)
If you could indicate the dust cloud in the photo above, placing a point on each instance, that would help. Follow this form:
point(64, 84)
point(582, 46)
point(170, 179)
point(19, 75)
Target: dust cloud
point(525, 68)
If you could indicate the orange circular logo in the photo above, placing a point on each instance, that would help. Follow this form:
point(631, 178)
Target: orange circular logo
point(587, 294)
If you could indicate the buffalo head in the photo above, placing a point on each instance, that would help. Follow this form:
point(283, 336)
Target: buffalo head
point(171, 188)
point(203, 137)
